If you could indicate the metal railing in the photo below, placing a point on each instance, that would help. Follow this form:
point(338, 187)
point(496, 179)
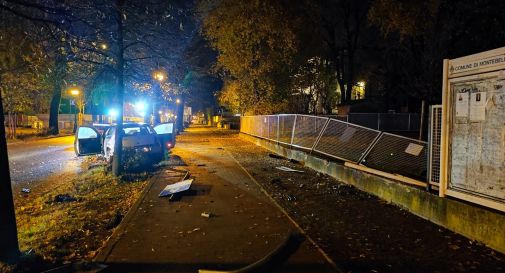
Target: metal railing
point(344, 141)
point(434, 139)
point(390, 122)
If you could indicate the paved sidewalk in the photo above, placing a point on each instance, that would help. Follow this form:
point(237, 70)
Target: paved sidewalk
point(160, 235)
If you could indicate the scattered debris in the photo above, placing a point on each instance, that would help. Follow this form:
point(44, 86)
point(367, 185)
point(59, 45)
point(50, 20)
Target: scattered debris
point(114, 221)
point(96, 165)
point(272, 260)
point(176, 187)
point(60, 198)
point(275, 180)
point(25, 190)
point(286, 169)
point(201, 165)
point(220, 148)
point(84, 267)
point(295, 161)
point(206, 214)
point(278, 182)
point(454, 247)
point(191, 231)
point(276, 156)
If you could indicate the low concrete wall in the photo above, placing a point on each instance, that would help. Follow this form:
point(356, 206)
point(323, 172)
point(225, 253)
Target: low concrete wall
point(477, 223)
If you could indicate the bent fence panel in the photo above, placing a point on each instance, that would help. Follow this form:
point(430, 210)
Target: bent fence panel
point(350, 142)
point(307, 130)
point(398, 155)
point(345, 141)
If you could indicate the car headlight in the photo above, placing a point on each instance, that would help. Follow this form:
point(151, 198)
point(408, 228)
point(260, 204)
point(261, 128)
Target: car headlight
point(146, 149)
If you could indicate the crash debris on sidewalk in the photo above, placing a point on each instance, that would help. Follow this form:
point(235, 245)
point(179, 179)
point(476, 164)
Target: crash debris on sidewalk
point(286, 169)
point(176, 187)
point(206, 214)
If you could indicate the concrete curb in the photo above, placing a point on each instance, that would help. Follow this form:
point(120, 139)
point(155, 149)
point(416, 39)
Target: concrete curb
point(36, 139)
point(109, 244)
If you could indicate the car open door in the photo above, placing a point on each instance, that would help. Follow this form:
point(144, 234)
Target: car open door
point(165, 132)
point(88, 141)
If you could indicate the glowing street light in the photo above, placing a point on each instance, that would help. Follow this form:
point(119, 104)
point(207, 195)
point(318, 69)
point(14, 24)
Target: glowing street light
point(74, 92)
point(159, 76)
point(177, 101)
point(103, 46)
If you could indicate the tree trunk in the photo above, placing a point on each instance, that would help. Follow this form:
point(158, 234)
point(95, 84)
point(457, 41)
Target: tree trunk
point(421, 123)
point(60, 72)
point(180, 115)
point(15, 126)
point(9, 125)
point(9, 252)
point(350, 74)
point(54, 111)
point(118, 145)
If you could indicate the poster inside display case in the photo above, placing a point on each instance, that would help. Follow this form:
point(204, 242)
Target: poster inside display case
point(477, 147)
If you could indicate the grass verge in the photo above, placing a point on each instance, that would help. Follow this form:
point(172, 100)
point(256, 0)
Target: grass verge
point(71, 221)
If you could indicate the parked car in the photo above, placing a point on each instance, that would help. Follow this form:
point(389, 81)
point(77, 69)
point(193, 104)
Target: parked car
point(139, 141)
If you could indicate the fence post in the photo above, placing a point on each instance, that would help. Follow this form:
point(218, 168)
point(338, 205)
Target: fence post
point(430, 148)
point(320, 134)
point(378, 121)
point(408, 129)
point(278, 127)
point(268, 126)
point(367, 151)
point(293, 131)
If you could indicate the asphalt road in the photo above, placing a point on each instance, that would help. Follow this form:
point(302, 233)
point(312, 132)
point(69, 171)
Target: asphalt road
point(31, 161)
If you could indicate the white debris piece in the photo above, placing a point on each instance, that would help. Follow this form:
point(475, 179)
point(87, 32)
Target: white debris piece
point(176, 187)
point(286, 169)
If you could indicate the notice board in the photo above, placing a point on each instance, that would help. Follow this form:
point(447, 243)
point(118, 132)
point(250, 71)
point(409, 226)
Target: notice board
point(478, 136)
point(473, 129)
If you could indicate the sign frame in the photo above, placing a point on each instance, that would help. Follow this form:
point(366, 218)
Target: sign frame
point(488, 64)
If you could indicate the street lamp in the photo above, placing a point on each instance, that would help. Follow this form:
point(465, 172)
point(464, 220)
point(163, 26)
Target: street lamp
point(160, 76)
point(76, 92)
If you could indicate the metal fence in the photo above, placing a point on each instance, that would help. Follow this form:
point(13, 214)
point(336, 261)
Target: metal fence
point(434, 138)
point(344, 141)
point(390, 122)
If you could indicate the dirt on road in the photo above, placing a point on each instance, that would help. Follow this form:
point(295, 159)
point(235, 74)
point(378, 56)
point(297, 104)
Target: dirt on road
point(360, 232)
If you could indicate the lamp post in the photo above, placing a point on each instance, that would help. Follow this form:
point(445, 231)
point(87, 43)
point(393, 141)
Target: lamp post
point(160, 76)
point(76, 92)
point(179, 113)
